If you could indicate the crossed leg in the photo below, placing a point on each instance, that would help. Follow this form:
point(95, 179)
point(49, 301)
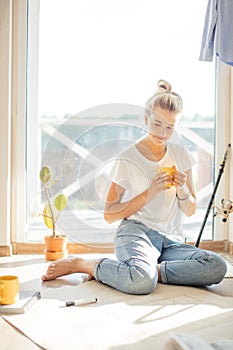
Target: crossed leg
point(71, 265)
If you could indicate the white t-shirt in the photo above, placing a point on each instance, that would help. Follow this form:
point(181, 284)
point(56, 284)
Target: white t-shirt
point(134, 172)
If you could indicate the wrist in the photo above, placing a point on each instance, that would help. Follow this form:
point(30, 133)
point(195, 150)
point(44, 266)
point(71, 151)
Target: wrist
point(183, 193)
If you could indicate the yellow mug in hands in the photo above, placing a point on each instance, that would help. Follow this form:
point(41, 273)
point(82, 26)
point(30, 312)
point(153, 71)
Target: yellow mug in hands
point(9, 290)
point(170, 170)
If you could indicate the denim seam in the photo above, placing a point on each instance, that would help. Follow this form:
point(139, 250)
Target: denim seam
point(163, 272)
point(95, 270)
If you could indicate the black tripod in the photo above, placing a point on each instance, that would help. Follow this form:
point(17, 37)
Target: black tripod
point(221, 169)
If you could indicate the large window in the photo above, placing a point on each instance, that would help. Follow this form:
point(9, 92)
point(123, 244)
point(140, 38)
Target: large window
point(98, 63)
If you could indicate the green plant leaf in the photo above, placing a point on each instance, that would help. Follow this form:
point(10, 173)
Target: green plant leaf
point(45, 174)
point(47, 215)
point(60, 202)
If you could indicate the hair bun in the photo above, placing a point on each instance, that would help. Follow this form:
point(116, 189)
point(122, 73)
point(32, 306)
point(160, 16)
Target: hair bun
point(165, 99)
point(164, 86)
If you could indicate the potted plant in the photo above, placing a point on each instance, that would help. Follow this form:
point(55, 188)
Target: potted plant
point(55, 244)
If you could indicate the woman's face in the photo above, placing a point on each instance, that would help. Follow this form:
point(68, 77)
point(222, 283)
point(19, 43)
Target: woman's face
point(161, 124)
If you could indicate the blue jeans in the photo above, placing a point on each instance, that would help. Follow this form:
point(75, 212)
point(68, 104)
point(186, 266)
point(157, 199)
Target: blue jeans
point(139, 250)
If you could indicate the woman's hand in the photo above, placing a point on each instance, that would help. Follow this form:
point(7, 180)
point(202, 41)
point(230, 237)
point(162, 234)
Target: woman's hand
point(159, 183)
point(179, 179)
point(185, 193)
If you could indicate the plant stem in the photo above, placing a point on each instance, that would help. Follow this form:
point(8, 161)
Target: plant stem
point(50, 207)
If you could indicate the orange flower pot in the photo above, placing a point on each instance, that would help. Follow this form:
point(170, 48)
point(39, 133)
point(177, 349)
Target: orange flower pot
point(55, 247)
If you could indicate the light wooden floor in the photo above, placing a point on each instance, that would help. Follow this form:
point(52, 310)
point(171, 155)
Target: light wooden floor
point(29, 268)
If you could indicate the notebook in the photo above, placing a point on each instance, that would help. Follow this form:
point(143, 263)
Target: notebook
point(26, 300)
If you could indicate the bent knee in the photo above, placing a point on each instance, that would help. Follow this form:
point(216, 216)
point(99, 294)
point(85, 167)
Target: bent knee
point(141, 282)
point(217, 268)
point(220, 268)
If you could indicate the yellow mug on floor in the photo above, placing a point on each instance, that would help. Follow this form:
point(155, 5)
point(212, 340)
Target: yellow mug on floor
point(169, 170)
point(9, 290)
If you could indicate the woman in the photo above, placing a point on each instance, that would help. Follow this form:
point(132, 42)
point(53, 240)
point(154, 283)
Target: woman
point(151, 204)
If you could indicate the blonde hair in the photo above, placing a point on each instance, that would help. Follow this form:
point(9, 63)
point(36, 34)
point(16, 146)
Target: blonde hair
point(165, 98)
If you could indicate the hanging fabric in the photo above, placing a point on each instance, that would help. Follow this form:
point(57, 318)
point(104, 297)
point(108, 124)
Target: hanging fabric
point(217, 35)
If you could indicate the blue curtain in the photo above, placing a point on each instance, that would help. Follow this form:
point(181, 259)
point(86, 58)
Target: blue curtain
point(217, 37)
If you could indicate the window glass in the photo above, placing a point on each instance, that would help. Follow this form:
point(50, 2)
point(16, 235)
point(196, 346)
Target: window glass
point(98, 63)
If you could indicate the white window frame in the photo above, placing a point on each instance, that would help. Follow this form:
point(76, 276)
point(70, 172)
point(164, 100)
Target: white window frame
point(13, 112)
point(19, 115)
point(5, 120)
point(223, 138)
point(13, 94)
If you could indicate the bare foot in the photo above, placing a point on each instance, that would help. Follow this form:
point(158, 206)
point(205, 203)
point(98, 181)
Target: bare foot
point(69, 265)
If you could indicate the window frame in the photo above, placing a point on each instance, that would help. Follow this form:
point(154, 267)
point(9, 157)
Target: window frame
point(13, 131)
point(19, 115)
point(222, 132)
point(5, 119)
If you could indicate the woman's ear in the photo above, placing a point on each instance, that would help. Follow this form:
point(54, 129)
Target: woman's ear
point(146, 118)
